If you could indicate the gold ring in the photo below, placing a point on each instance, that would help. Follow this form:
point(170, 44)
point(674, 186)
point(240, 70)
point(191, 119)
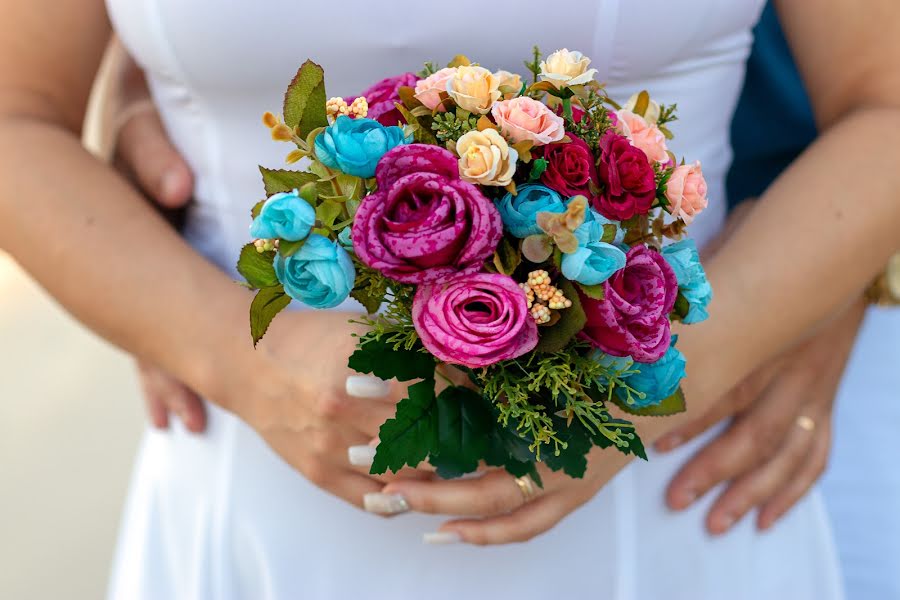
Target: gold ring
point(527, 487)
point(805, 423)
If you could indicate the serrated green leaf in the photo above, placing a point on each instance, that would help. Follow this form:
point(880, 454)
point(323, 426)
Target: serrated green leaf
point(278, 181)
point(622, 431)
point(256, 267)
point(672, 405)
point(289, 248)
point(257, 208)
point(310, 192)
point(508, 256)
point(596, 292)
point(412, 434)
point(572, 320)
point(266, 305)
point(328, 211)
point(304, 101)
point(379, 358)
point(509, 450)
point(572, 459)
point(370, 302)
point(464, 421)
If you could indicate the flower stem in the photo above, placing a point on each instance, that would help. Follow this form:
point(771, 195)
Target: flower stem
point(567, 109)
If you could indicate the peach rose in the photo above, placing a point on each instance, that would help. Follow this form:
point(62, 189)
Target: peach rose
point(510, 84)
point(686, 192)
point(428, 90)
point(524, 119)
point(474, 89)
point(486, 159)
point(643, 135)
point(565, 69)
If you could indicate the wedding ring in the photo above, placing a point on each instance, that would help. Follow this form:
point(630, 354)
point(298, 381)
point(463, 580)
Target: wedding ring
point(805, 423)
point(527, 487)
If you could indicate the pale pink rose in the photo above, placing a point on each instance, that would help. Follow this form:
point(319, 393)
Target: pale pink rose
point(686, 192)
point(524, 119)
point(428, 90)
point(643, 135)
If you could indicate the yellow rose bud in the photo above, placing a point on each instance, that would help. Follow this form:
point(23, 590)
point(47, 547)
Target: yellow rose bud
point(510, 84)
point(485, 158)
point(566, 69)
point(651, 115)
point(474, 89)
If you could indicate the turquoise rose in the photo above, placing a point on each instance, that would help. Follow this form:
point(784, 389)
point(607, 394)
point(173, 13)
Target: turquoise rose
point(592, 216)
point(594, 261)
point(657, 381)
point(354, 146)
point(285, 216)
point(519, 212)
point(692, 282)
point(320, 274)
point(620, 366)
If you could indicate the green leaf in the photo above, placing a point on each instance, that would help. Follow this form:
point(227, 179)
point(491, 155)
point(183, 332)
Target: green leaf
point(464, 421)
point(257, 208)
point(309, 192)
point(597, 292)
point(572, 320)
point(623, 432)
point(609, 233)
point(412, 434)
point(256, 267)
point(268, 302)
point(379, 358)
point(371, 302)
point(304, 101)
point(328, 212)
point(537, 169)
point(509, 450)
point(672, 405)
point(289, 248)
point(572, 459)
point(508, 256)
point(278, 181)
point(682, 307)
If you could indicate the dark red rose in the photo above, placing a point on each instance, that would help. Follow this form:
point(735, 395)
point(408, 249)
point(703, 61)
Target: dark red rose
point(383, 95)
point(629, 184)
point(570, 168)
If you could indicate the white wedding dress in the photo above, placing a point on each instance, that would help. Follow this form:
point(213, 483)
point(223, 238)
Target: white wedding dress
point(220, 516)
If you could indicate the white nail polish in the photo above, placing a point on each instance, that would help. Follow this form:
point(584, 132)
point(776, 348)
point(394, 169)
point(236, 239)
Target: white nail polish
point(365, 386)
point(361, 456)
point(441, 538)
point(385, 504)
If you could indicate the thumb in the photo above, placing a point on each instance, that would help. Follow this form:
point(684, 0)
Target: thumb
point(145, 150)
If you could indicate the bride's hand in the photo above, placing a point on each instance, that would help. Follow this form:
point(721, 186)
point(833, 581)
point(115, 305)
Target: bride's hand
point(777, 445)
point(301, 397)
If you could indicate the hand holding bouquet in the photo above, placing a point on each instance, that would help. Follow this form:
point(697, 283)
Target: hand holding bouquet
point(512, 236)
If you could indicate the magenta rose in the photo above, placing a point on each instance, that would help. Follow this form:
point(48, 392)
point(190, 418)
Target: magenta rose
point(424, 223)
point(629, 183)
point(474, 320)
point(570, 168)
point(633, 317)
point(383, 95)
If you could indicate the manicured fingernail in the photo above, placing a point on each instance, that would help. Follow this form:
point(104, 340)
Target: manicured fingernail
point(724, 523)
point(684, 498)
point(361, 456)
point(669, 443)
point(364, 386)
point(441, 538)
point(385, 504)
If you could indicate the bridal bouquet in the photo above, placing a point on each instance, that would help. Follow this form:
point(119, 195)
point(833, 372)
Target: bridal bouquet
point(517, 245)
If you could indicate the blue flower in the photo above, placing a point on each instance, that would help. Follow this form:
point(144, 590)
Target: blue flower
point(354, 146)
point(594, 262)
point(345, 237)
point(657, 380)
point(285, 216)
point(692, 282)
point(320, 274)
point(592, 216)
point(519, 212)
point(620, 366)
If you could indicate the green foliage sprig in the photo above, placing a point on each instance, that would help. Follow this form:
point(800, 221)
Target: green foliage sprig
point(449, 127)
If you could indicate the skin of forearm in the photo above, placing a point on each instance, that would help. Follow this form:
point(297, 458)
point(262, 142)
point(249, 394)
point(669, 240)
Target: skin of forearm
point(89, 239)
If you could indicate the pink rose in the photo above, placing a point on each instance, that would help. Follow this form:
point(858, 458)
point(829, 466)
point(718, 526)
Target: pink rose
point(523, 118)
point(474, 320)
point(629, 183)
point(424, 224)
point(643, 135)
point(383, 95)
point(633, 317)
point(429, 90)
point(686, 192)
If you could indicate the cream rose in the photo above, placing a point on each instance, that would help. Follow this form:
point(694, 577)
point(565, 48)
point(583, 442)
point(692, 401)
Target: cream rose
point(474, 89)
point(485, 158)
point(643, 135)
point(565, 69)
point(524, 119)
point(429, 90)
point(512, 81)
point(686, 192)
point(651, 115)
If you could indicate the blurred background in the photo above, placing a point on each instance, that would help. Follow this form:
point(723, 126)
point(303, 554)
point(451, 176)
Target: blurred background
point(71, 416)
